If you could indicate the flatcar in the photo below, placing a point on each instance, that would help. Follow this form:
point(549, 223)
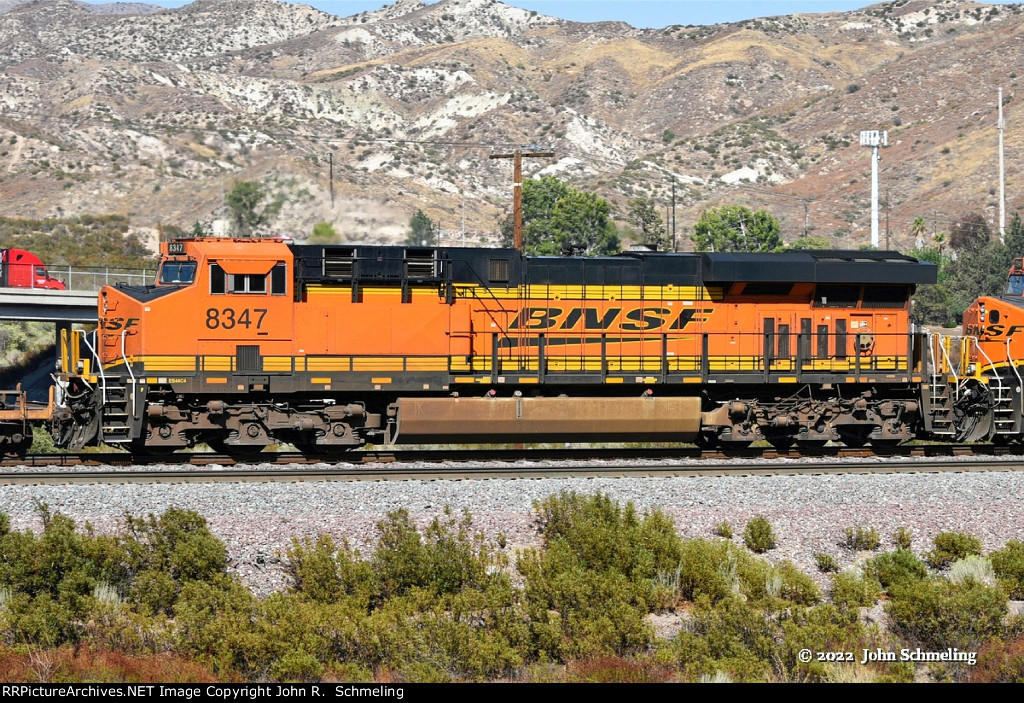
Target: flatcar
point(245, 343)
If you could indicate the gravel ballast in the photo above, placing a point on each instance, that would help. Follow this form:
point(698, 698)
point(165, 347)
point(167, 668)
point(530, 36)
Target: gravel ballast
point(808, 512)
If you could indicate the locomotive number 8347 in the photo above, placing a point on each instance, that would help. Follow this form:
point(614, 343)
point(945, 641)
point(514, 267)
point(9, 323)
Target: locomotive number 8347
point(245, 343)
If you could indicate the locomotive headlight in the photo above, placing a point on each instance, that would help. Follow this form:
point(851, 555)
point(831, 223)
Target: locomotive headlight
point(981, 311)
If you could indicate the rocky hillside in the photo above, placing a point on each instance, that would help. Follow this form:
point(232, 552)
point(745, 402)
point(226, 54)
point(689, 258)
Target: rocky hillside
point(156, 113)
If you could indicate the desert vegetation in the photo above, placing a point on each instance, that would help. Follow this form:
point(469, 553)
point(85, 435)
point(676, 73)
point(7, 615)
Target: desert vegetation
point(610, 594)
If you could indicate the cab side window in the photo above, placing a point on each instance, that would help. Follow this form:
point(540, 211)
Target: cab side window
point(218, 280)
point(278, 281)
point(222, 282)
point(247, 283)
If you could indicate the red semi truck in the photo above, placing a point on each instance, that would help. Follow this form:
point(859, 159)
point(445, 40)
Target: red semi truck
point(23, 269)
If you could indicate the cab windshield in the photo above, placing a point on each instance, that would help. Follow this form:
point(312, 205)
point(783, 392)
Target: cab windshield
point(177, 272)
point(1015, 285)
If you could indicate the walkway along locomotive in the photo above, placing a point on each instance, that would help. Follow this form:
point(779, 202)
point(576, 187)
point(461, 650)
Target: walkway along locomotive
point(246, 343)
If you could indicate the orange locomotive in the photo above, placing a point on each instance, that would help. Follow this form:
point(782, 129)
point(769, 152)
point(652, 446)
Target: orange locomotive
point(977, 379)
point(246, 343)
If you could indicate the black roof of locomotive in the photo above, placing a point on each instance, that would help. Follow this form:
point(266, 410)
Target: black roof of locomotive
point(475, 265)
point(819, 266)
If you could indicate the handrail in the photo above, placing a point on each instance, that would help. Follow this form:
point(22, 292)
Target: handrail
point(99, 365)
point(949, 365)
point(1013, 364)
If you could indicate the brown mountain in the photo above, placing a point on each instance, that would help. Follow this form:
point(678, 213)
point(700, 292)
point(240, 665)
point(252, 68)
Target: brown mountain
point(156, 113)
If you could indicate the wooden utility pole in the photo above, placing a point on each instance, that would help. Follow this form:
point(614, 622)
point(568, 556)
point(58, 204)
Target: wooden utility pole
point(517, 187)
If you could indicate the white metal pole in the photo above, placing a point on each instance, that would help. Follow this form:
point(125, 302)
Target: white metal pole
point(1002, 174)
point(874, 196)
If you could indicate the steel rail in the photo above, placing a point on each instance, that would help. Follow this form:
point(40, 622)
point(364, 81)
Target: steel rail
point(501, 470)
point(383, 456)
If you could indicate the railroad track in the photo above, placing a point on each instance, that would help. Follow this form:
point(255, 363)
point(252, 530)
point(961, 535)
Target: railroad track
point(384, 456)
point(503, 463)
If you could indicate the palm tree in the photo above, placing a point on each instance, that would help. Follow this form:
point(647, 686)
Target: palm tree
point(918, 228)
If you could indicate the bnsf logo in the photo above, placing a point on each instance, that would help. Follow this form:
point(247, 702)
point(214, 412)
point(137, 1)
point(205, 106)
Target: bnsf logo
point(992, 330)
point(635, 320)
point(117, 323)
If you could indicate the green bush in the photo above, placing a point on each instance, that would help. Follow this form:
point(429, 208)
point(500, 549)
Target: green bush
point(709, 569)
point(1008, 565)
point(766, 583)
point(950, 547)
point(164, 553)
point(823, 628)
point(759, 535)
point(972, 569)
point(826, 563)
point(607, 536)
point(896, 568)
point(602, 569)
point(935, 614)
point(854, 590)
point(903, 538)
point(724, 530)
point(447, 558)
point(862, 539)
point(578, 612)
point(731, 638)
point(325, 573)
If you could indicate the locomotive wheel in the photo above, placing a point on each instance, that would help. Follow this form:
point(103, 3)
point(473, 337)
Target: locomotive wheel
point(326, 451)
point(782, 443)
point(240, 451)
point(811, 443)
point(19, 450)
point(139, 448)
point(854, 438)
point(704, 441)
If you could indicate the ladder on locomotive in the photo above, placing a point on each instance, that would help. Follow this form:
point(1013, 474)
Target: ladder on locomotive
point(115, 399)
point(944, 369)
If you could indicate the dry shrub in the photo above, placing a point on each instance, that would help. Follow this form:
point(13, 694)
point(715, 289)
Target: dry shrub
point(617, 670)
point(1000, 662)
point(75, 665)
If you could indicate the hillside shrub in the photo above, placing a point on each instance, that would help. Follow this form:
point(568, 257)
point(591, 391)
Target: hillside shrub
point(758, 535)
point(934, 613)
point(950, 547)
point(862, 539)
point(447, 558)
point(903, 538)
point(607, 536)
point(1008, 565)
point(826, 563)
point(853, 589)
point(731, 638)
point(895, 568)
point(1000, 662)
point(972, 569)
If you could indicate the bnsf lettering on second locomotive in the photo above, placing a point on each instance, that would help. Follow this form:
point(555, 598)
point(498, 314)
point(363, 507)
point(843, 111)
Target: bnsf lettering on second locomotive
point(992, 330)
point(635, 320)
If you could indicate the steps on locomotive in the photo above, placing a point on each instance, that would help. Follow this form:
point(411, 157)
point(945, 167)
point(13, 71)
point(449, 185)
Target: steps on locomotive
point(116, 418)
point(941, 409)
point(1003, 410)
